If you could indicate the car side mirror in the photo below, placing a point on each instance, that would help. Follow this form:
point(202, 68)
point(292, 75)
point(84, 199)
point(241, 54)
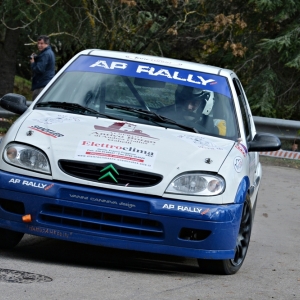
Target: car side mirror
point(14, 103)
point(264, 142)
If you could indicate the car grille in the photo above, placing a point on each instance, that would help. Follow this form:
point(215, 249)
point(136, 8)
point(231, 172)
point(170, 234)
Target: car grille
point(125, 177)
point(94, 222)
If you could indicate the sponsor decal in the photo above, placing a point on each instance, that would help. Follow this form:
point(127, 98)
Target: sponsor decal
point(119, 153)
point(50, 231)
point(58, 119)
point(156, 71)
point(204, 212)
point(123, 132)
point(199, 142)
point(33, 184)
point(153, 60)
point(48, 187)
point(238, 164)
point(109, 65)
point(46, 131)
point(242, 148)
point(191, 209)
point(151, 71)
point(104, 201)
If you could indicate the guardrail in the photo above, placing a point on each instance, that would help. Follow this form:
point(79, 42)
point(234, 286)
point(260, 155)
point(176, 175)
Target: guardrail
point(284, 129)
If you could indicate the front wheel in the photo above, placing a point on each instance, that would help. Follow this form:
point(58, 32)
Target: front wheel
point(9, 239)
point(231, 266)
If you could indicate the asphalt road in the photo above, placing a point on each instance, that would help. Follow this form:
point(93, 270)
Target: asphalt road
point(42, 268)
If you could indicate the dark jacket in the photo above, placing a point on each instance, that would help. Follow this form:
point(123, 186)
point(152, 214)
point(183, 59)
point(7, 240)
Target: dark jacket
point(43, 68)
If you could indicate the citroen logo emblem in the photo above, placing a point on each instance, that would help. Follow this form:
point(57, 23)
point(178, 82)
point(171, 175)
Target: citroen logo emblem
point(109, 170)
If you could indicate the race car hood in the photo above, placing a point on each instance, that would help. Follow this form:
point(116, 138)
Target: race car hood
point(135, 146)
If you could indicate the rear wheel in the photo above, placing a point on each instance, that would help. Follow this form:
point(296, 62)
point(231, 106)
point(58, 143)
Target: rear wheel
point(231, 266)
point(9, 238)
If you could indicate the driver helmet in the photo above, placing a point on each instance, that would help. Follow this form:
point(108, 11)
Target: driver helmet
point(204, 101)
point(194, 99)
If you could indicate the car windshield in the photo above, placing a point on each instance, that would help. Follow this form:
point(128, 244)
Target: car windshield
point(144, 93)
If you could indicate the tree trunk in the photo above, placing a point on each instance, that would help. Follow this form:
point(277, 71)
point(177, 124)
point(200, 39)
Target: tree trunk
point(8, 58)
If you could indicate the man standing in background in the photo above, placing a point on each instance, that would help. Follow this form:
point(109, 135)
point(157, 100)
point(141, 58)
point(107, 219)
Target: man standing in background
point(42, 65)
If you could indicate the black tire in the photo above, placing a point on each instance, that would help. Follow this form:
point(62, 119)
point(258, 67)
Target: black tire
point(9, 239)
point(231, 266)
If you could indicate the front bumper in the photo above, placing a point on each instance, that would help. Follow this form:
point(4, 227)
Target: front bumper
point(118, 219)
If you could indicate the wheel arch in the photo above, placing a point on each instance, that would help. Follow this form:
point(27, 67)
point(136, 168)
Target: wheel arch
point(242, 191)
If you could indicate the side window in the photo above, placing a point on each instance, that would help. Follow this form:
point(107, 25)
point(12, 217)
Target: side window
point(244, 109)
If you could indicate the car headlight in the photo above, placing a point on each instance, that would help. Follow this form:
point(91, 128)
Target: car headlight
point(197, 184)
point(26, 157)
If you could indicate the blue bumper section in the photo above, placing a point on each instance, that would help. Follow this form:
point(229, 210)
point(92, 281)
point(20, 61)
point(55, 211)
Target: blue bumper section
point(118, 219)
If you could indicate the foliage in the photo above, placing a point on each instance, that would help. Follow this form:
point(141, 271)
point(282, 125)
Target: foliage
point(268, 66)
point(22, 87)
point(258, 39)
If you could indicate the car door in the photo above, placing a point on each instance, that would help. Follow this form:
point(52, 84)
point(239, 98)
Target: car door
point(250, 131)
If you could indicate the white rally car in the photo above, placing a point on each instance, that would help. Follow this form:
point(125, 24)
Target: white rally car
point(135, 152)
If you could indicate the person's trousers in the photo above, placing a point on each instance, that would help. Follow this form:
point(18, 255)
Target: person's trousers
point(36, 92)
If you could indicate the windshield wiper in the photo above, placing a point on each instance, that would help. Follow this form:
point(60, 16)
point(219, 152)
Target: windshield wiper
point(153, 115)
point(74, 107)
